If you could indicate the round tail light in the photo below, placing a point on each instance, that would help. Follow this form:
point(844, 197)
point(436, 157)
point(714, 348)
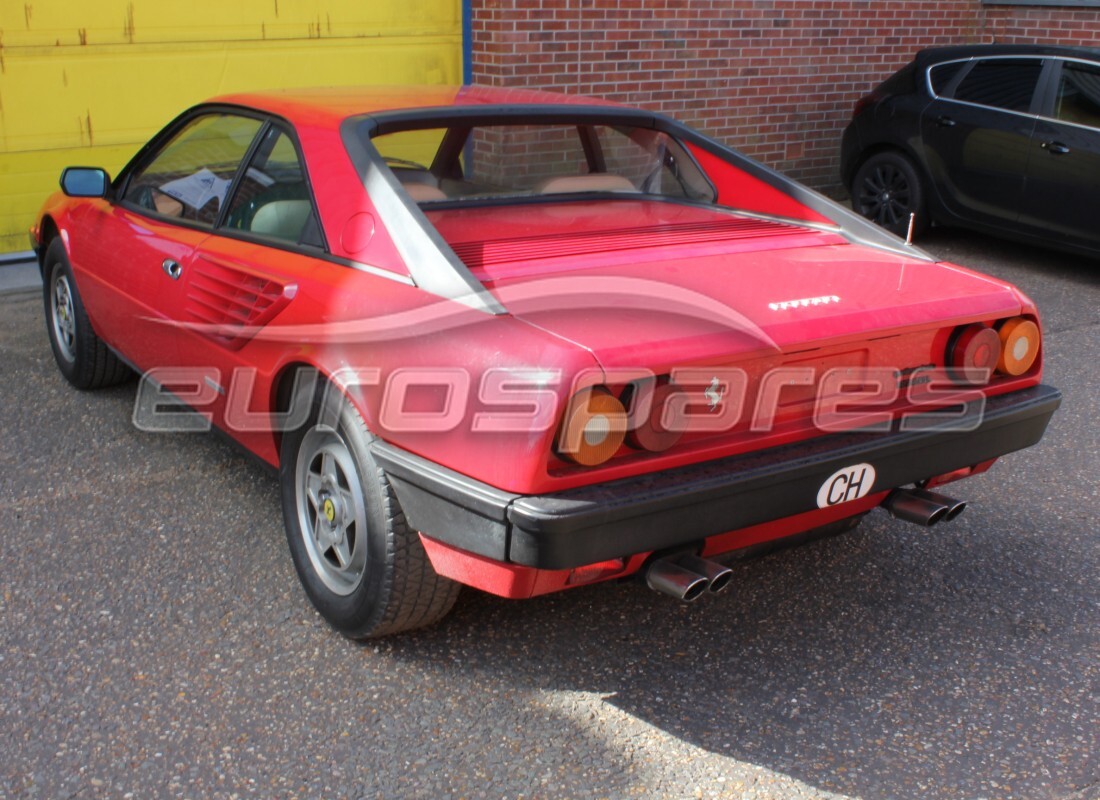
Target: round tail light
point(649, 433)
point(974, 354)
point(594, 427)
point(1019, 346)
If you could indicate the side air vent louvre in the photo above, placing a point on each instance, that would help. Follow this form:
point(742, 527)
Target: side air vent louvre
point(230, 305)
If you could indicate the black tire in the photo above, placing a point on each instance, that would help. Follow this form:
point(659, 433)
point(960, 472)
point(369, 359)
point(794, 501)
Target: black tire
point(83, 358)
point(361, 565)
point(886, 189)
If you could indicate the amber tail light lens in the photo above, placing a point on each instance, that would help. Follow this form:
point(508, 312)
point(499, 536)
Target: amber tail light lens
point(593, 428)
point(1019, 346)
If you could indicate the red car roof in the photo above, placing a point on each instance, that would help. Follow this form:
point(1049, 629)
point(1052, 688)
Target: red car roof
point(336, 103)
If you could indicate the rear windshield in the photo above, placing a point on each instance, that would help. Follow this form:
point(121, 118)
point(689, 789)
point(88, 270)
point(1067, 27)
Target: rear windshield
point(470, 163)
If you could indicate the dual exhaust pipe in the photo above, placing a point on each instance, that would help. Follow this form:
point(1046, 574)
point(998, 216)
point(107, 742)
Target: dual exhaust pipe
point(687, 577)
point(922, 507)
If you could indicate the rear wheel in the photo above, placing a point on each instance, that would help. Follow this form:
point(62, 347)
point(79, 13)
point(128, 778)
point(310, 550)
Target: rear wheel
point(361, 565)
point(83, 358)
point(887, 189)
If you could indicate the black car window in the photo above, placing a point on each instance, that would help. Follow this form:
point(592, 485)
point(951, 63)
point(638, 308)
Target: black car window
point(1078, 98)
point(272, 198)
point(189, 177)
point(1007, 83)
point(941, 75)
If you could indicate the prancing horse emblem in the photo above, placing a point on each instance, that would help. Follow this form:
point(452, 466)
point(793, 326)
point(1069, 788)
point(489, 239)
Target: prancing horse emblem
point(714, 393)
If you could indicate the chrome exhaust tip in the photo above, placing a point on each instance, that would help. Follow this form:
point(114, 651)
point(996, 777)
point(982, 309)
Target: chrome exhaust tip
point(954, 507)
point(718, 575)
point(668, 577)
point(905, 504)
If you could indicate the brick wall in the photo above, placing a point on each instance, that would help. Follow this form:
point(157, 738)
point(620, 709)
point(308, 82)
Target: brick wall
point(1010, 24)
point(774, 78)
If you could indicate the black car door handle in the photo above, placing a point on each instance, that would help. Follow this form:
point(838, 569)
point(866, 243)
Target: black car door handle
point(1057, 148)
point(945, 122)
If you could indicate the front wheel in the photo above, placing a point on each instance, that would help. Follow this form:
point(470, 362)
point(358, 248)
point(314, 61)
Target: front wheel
point(82, 357)
point(886, 189)
point(361, 565)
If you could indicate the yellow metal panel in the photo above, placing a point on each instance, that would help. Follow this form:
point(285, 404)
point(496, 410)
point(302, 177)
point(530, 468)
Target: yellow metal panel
point(72, 23)
point(88, 83)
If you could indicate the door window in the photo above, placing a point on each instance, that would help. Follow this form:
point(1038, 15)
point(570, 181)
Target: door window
point(273, 198)
point(1078, 98)
point(941, 75)
point(190, 176)
point(1007, 83)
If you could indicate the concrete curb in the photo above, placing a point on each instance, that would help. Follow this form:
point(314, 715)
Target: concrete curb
point(19, 273)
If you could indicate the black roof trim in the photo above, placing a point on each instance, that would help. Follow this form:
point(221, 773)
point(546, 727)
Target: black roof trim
point(932, 55)
point(518, 114)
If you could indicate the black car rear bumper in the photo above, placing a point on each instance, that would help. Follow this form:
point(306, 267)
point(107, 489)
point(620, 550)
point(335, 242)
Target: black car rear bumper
point(680, 506)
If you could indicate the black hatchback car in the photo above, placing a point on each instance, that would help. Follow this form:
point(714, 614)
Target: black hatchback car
point(999, 138)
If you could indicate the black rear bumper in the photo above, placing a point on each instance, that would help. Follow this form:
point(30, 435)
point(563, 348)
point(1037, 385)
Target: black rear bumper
point(676, 507)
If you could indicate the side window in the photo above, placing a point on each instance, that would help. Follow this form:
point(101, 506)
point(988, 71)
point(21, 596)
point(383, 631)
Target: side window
point(1007, 83)
point(1078, 98)
point(653, 162)
point(273, 199)
point(941, 75)
point(190, 176)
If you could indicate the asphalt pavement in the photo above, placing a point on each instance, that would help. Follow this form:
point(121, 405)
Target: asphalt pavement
point(154, 641)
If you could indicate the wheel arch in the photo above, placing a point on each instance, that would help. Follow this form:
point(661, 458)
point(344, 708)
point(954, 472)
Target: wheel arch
point(282, 393)
point(48, 231)
point(884, 147)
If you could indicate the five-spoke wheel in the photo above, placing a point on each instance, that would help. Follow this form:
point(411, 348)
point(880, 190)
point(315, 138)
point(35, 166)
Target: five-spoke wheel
point(83, 358)
point(361, 565)
point(63, 316)
point(332, 512)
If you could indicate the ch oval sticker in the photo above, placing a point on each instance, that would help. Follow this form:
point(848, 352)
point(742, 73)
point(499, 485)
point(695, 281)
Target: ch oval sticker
point(845, 485)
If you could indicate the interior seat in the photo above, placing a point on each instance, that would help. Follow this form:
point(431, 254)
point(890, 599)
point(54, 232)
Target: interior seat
point(593, 182)
point(422, 191)
point(281, 218)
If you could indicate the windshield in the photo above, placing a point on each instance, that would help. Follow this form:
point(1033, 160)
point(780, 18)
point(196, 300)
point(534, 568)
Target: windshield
point(467, 162)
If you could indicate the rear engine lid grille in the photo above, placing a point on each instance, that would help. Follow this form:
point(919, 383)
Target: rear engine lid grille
point(493, 252)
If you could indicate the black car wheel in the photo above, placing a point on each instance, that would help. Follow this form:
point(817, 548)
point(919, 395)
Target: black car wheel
point(361, 565)
point(83, 358)
point(887, 189)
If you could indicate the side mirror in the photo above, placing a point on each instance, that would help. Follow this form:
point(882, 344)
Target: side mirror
point(85, 182)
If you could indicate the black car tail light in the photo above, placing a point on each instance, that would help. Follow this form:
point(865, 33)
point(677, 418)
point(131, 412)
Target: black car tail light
point(865, 102)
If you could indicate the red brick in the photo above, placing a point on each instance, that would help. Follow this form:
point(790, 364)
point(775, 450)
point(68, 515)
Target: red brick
point(776, 78)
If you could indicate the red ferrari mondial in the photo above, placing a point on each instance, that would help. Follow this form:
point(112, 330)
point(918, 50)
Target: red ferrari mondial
point(527, 342)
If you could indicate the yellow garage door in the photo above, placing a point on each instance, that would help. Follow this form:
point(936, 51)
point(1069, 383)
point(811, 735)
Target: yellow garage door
point(88, 82)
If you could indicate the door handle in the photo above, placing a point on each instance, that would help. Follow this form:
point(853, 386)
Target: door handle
point(1057, 148)
point(172, 269)
point(945, 121)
